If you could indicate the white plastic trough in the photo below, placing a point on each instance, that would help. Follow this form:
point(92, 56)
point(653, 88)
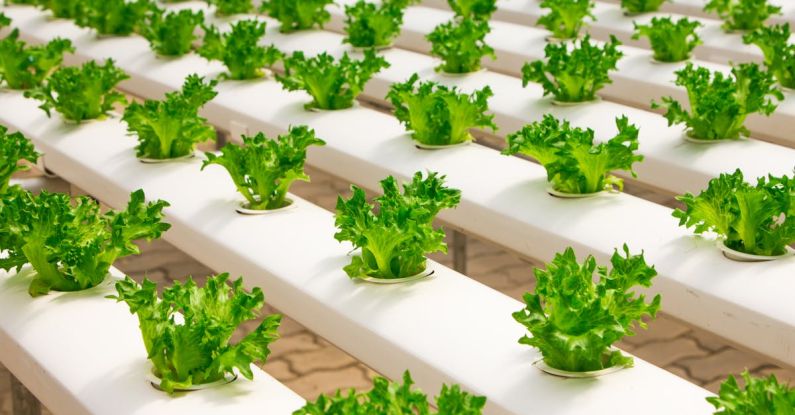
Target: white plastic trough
point(696, 8)
point(81, 353)
point(448, 328)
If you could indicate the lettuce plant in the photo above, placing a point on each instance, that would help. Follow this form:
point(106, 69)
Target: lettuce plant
point(760, 396)
point(574, 320)
point(332, 84)
point(473, 9)
point(71, 246)
point(574, 163)
point(461, 45)
point(230, 7)
point(81, 93)
point(188, 332)
point(742, 14)
point(576, 72)
point(172, 33)
point(5, 21)
point(14, 148)
point(779, 53)
point(641, 6)
point(172, 127)
point(566, 17)
point(719, 104)
point(395, 237)
point(440, 115)
point(113, 17)
point(393, 398)
point(757, 220)
point(263, 169)
point(239, 49)
point(63, 9)
point(370, 25)
point(671, 42)
point(297, 14)
point(25, 67)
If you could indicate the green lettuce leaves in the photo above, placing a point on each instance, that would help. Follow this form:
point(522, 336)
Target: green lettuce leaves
point(574, 320)
point(395, 237)
point(719, 104)
point(71, 246)
point(461, 45)
point(440, 115)
point(641, 6)
point(757, 220)
point(671, 41)
point(230, 7)
point(473, 9)
point(332, 84)
point(239, 49)
point(370, 25)
point(263, 169)
point(172, 127)
point(574, 163)
point(391, 398)
point(297, 14)
point(742, 14)
point(25, 67)
point(779, 53)
point(14, 148)
point(760, 396)
point(565, 18)
point(188, 332)
point(574, 72)
point(81, 93)
point(172, 33)
point(113, 17)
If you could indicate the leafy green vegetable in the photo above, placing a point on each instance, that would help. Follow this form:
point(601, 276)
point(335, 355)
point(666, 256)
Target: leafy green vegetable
point(171, 128)
point(113, 17)
point(473, 9)
point(72, 246)
point(81, 93)
point(172, 33)
point(566, 17)
point(30, 2)
point(719, 104)
point(641, 6)
point(230, 7)
point(742, 14)
point(371, 25)
point(297, 14)
point(758, 220)
point(188, 332)
point(263, 169)
point(13, 149)
point(395, 399)
point(239, 49)
point(671, 42)
point(779, 53)
point(574, 75)
point(440, 115)
point(332, 85)
point(64, 9)
point(574, 163)
point(5, 21)
point(460, 45)
point(395, 237)
point(574, 321)
point(25, 67)
point(760, 396)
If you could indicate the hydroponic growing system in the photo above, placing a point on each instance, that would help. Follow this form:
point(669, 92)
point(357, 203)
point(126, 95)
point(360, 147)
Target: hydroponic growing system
point(687, 97)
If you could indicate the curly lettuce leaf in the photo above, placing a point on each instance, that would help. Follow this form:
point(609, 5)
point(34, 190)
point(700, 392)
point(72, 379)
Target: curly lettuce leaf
point(188, 332)
point(671, 41)
point(779, 53)
point(25, 67)
point(461, 45)
point(230, 7)
point(574, 163)
point(440, 115)
point(113, 17)
point(576, 72)
point(574, 320)
point(172, 33)
point(263, 169)
point(473, 9)
point(759, 396)
point(641, 6)
point(371, 25)
point(394, 238)
point(239, 49)
point(742, 14)
point(565, 18)
point(297, 14)
point(332, 84)
point(14, 148)
point(64, 9)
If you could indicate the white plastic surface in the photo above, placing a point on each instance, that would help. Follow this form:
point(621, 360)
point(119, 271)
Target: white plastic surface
point(696, 8)
point(448, 328)
point(637, 81)
point(81, 353)
point(503, 200)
